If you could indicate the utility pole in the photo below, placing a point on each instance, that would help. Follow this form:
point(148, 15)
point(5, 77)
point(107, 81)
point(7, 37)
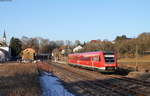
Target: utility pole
point(136, 53)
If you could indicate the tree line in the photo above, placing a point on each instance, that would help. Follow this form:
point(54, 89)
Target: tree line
point(40, 45)
point(122, 45)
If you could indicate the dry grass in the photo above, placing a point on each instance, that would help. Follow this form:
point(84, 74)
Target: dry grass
point(142, 62)
point(44, 66)
point(145, 58)
point(19, 80)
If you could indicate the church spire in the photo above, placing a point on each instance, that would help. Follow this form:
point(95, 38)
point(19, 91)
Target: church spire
point(4, 36)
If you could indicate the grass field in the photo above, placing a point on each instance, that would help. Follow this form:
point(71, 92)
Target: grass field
point(142, 62)
point(145, 58)
point(19, 80)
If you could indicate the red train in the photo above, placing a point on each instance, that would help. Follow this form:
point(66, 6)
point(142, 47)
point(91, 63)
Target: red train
point(101, 60)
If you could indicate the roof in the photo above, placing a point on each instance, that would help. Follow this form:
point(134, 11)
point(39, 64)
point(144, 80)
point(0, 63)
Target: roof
point(29, 50)
point(94, 41)
point(90, 53)
point(77, 48)
point(5, 48)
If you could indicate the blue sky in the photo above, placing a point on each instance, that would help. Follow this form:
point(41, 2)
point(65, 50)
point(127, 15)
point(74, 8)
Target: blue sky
point(74, 19)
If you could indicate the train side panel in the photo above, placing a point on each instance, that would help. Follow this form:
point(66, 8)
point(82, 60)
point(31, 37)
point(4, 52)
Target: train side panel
point(99, 60)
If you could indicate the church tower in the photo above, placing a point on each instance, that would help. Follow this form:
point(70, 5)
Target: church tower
point(4, 37)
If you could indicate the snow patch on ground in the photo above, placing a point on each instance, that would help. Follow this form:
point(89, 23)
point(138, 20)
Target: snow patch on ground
point(51, 86)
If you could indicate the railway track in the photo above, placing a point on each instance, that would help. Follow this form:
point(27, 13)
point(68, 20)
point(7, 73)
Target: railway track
point(124, 78)
point(136, 81)
point(123, 91)
point(85, 84)
point(93, 86)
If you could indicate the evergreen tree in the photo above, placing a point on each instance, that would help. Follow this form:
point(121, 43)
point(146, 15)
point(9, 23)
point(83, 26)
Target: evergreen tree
point(15, 46)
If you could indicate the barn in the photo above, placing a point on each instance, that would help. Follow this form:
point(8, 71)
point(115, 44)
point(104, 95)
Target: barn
point(28, 54)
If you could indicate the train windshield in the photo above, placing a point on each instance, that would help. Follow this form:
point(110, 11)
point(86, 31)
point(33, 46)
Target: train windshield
point(109, 58)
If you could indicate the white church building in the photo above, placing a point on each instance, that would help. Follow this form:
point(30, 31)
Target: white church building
point(4, 49)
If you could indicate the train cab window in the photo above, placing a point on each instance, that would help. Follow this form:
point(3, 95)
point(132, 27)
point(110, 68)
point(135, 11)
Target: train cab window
point(96, 58)
point(109, 58)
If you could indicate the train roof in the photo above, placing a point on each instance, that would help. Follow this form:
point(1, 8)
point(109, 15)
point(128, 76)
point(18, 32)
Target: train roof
point(91, 53)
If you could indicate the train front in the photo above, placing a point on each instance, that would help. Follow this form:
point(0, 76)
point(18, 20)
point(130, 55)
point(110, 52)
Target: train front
point(110, 61)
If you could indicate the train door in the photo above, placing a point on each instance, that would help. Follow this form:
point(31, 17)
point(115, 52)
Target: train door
point(95, 61)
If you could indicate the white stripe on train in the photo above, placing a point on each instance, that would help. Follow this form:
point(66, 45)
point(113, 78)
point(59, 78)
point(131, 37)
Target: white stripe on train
point(101, 68)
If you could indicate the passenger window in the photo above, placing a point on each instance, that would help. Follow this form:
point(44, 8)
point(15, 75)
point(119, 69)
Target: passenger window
point(85, 58)
point(96, 58)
